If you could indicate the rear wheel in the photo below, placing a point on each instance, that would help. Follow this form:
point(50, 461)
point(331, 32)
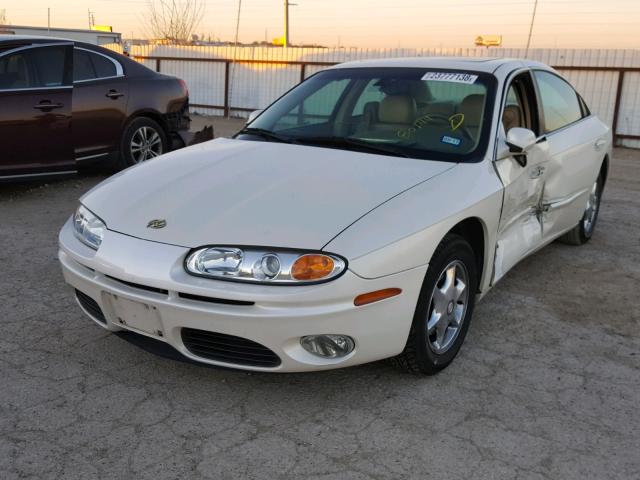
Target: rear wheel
point(444, 309)
point(143, 139)
point(583, 232)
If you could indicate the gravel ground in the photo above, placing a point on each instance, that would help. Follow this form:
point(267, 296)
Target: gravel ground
point(546, 385)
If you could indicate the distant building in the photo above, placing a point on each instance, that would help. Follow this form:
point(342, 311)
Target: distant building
point(97, 37)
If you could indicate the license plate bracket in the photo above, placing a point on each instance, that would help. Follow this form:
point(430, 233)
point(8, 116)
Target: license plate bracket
point(135, 315)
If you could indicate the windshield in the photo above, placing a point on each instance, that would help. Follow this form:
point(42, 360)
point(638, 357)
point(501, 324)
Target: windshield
point(412, 112)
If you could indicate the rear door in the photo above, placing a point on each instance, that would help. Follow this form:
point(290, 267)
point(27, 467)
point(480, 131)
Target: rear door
point(520, 228)
point(577, 145)
point(99, 104)
point(35, 114)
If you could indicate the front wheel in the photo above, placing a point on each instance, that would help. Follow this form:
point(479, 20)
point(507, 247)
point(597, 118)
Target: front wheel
point(444, 309)
point(143, 139)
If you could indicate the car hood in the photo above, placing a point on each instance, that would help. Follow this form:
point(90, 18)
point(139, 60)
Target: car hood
point(238, 192)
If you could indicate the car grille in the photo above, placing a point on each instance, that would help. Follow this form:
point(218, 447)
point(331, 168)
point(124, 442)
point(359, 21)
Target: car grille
point(91, 306)
point(228, 349)
point(223, 301)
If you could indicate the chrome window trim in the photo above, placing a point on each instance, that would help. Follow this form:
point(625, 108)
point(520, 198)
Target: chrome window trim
point(28, 89)
point(27, 47)
point(34, 45)
point(118, 65)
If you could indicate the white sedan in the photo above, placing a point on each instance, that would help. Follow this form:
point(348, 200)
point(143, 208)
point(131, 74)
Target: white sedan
point(357, 218)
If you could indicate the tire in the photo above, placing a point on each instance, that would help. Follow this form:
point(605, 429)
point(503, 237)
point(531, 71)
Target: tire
point(143, 139)
point(583, 231)
point(421, 354)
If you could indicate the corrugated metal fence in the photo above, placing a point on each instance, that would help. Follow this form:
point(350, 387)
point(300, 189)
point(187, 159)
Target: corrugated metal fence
point(229, 80)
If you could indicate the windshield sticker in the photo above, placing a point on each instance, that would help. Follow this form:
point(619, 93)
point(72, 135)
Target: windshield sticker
point(450, 77)
point(451, 140)
point(456, 120)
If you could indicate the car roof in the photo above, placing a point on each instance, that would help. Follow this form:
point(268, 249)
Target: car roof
point(31, 38)
point(477, 64)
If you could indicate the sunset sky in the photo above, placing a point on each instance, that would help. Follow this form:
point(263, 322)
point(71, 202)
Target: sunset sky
point(372, 23)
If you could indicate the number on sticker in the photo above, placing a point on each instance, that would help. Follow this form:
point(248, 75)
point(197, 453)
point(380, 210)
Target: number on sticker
point(450, 77)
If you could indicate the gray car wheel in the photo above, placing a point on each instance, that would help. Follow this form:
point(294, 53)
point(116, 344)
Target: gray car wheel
point(143, 139)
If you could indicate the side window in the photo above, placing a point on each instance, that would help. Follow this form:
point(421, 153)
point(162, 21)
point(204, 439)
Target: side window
point(560, 104)
point(38, 67)
point(15, 72)
point(91, 66)
point(103, 66)
point(82, 66)
point(371, 93)
point(513, 113)
point(316, 108)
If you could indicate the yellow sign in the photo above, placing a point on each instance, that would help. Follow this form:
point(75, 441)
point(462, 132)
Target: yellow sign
point(102, 28)
point(488, 40)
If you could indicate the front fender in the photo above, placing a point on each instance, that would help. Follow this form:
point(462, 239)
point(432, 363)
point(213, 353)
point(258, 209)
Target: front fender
point(404, 232)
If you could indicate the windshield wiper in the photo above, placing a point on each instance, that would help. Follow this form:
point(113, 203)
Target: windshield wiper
point(266, 134)
point(352, 144)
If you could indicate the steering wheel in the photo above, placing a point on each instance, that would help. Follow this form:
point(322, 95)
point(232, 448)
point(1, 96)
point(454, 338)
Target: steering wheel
point(441, 119)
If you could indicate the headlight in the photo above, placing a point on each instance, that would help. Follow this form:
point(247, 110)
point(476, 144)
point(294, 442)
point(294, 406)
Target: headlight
point(89, 228)
point(260, 265)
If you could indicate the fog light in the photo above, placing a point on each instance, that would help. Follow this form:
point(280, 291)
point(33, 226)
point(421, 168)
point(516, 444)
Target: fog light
point(328, 346)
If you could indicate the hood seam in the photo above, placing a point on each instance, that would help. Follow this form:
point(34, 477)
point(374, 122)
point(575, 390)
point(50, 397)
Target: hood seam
point(382, 203)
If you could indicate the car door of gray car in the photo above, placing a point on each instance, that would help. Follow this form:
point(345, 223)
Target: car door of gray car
point(100, 96)
point(35, 118)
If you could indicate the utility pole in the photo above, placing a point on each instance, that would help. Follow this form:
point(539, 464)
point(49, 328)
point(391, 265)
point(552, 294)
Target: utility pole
point(286, 22)
point(48, 19)
point(533, 17)
point(92, 19)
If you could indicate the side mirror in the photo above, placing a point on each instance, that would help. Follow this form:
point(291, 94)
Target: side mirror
point(253, 115)
point(519, 140)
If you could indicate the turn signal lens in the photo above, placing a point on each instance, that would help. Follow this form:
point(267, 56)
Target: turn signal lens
point(376, 296)
point(312, 267)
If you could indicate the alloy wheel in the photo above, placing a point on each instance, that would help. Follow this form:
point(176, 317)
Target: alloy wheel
point(146, 143)
point(591, 212)
point(447, 307)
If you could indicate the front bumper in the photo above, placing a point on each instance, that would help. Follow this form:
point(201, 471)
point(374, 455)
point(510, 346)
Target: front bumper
point(128, 275)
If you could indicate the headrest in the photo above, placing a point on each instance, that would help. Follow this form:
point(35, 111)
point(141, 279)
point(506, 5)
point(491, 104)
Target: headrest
point(472, 107)
point(512, 117)
point(370, 113)
point(397, 109)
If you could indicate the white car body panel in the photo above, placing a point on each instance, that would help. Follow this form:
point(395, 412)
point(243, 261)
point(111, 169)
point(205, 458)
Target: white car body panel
point(394, 238)
point(385, 215)
point(576, 157)
point(277, 320)
point(238, 192)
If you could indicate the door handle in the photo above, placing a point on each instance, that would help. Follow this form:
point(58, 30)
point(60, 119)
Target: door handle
point(45, 107)
point(114, 94)
point(600, 144)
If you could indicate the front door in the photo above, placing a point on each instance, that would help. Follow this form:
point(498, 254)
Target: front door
point(35, 118)
point(520, 230)
point(100, 100)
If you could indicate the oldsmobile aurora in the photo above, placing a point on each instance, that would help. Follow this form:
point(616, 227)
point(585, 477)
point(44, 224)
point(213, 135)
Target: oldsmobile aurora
point(357, 218)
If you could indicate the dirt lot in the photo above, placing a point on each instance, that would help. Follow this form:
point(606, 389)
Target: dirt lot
point(547, 384)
